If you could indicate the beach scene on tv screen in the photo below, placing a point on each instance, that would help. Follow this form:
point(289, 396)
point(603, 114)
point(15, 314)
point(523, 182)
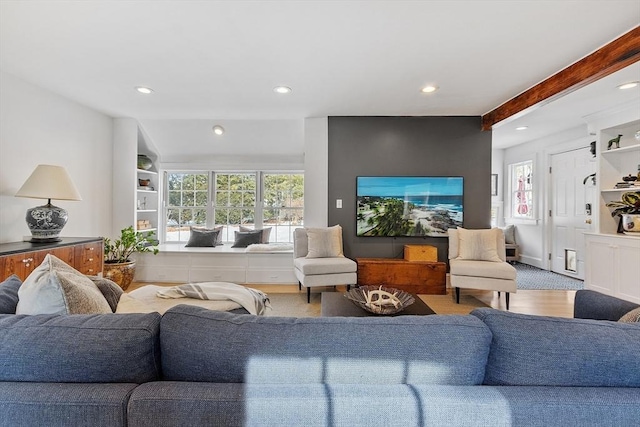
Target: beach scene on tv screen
point(408, 206)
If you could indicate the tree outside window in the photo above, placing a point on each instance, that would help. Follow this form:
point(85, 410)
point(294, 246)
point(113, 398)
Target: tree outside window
point(521, 190)
point(235, 202)
point(231, 200)
point(283, 204)
point(187, 203)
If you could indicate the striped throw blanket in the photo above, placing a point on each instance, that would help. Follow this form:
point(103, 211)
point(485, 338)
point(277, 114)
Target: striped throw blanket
point(253, 300)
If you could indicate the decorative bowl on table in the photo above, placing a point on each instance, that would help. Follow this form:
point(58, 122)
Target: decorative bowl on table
point(380, 299)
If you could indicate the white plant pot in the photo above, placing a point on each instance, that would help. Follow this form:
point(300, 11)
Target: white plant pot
point(631, 223)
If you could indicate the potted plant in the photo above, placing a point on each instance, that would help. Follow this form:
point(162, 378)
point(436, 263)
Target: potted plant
point(629, 204)
point(118, 265)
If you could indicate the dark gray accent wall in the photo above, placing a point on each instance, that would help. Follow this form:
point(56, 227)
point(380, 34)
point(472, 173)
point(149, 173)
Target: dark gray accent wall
point(412, 146)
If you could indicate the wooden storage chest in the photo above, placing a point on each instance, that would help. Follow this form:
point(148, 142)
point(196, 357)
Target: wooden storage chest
point(417, 277)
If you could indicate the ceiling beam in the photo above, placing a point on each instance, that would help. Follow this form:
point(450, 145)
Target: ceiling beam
point(620, 53)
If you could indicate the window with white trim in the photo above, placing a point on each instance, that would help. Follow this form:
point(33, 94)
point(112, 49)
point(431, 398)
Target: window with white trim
point(521, 190)
point(253, 200)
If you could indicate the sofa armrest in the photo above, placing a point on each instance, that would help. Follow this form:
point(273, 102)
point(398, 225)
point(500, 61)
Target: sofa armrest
point(594, 305)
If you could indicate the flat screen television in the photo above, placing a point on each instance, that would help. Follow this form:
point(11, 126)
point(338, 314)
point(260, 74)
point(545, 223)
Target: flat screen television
point(425, 206)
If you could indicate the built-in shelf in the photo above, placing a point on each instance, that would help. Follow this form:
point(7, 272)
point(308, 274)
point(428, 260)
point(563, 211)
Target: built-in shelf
point(621, 190)
point(145, 171)
point(147, 191)
point(146, 210)
point(620, 150)
point(146, 230)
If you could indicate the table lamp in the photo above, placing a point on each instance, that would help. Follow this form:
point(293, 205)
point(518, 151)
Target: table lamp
point(48, 182)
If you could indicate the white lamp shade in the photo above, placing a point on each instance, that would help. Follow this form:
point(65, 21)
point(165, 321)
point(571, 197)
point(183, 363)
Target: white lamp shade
point(49, 182)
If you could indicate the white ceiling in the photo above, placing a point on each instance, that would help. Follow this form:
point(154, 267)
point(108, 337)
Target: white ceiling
point(213, 61)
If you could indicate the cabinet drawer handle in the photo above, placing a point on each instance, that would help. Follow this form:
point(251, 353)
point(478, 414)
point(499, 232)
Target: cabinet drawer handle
point(91, 248)
point(90, 259)
point(90, 270)
point(27, 260)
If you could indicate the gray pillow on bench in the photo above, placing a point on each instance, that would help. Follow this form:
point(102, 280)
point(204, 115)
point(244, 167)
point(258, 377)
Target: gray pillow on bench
point(246, 238)
point(202, 238)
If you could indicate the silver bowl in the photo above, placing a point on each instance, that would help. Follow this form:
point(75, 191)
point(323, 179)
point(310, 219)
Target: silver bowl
point(359, 297)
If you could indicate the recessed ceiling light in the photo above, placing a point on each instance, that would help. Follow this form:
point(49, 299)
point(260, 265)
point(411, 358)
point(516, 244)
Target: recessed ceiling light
point(145, 90)
point(429, 89)
point(628, 85)
point(522, 128)
point(218, 130)
point(282, 89)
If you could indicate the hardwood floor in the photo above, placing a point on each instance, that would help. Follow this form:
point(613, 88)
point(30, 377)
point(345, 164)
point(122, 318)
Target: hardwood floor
point(538, 302)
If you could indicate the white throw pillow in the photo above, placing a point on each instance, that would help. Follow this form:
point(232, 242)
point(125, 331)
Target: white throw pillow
point(509, 234)
point(325, 242)
point(478, 245)
point(56, 288)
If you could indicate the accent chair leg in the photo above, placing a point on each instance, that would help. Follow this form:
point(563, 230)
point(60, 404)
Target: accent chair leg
point(457, 295)
point(498, 294)
point(308, 295)
point(506, 294)
point(299, 286)
point(348, 287)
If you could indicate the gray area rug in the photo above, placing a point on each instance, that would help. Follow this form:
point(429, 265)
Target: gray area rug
point(529, 277)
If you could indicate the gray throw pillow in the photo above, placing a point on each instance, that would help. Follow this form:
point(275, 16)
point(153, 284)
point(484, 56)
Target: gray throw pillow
point(202, 238)
point(246, 238)
point(218, 229)
point(266, 233)
point(9, 294)
point(110, 290)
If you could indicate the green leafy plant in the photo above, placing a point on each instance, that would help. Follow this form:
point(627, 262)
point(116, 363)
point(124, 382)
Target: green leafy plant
point(629, 203)
point(119, 250)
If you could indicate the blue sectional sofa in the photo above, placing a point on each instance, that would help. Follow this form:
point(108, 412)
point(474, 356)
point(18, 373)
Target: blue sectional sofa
point(194, 366)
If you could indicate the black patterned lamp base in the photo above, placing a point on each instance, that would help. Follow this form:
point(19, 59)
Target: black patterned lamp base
point(46, 222)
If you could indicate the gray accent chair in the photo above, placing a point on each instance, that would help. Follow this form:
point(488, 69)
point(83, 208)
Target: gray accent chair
point(312, 272)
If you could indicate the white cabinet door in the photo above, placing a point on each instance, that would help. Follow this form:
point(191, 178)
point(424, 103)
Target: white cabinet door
point(628, 254)
point(613, 265)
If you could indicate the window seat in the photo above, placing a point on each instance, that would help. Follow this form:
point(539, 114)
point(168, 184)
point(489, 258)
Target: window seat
point(175, 263)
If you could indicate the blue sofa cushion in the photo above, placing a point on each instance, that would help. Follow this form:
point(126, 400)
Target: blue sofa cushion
point(57, 404)
point(9, 294)
point(553, 351)
point(205, 345)
point(80, 348)
point(161, 403)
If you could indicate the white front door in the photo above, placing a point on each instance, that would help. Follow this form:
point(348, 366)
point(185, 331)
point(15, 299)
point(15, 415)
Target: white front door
point(569, 216)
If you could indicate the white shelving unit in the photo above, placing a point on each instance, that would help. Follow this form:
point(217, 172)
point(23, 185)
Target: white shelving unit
point(613, 259)
point(147, 201)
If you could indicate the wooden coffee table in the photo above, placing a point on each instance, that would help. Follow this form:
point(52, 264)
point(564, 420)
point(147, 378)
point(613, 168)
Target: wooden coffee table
point(334, 304)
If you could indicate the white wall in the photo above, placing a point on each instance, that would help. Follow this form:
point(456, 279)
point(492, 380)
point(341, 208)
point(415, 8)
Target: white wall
point(125, 154)
point(40, 127)
point(316, 172)
point(531, 236)
point(497, 161)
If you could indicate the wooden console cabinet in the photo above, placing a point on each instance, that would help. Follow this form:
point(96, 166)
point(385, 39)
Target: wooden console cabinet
point(417, 277)
point(85, 254)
